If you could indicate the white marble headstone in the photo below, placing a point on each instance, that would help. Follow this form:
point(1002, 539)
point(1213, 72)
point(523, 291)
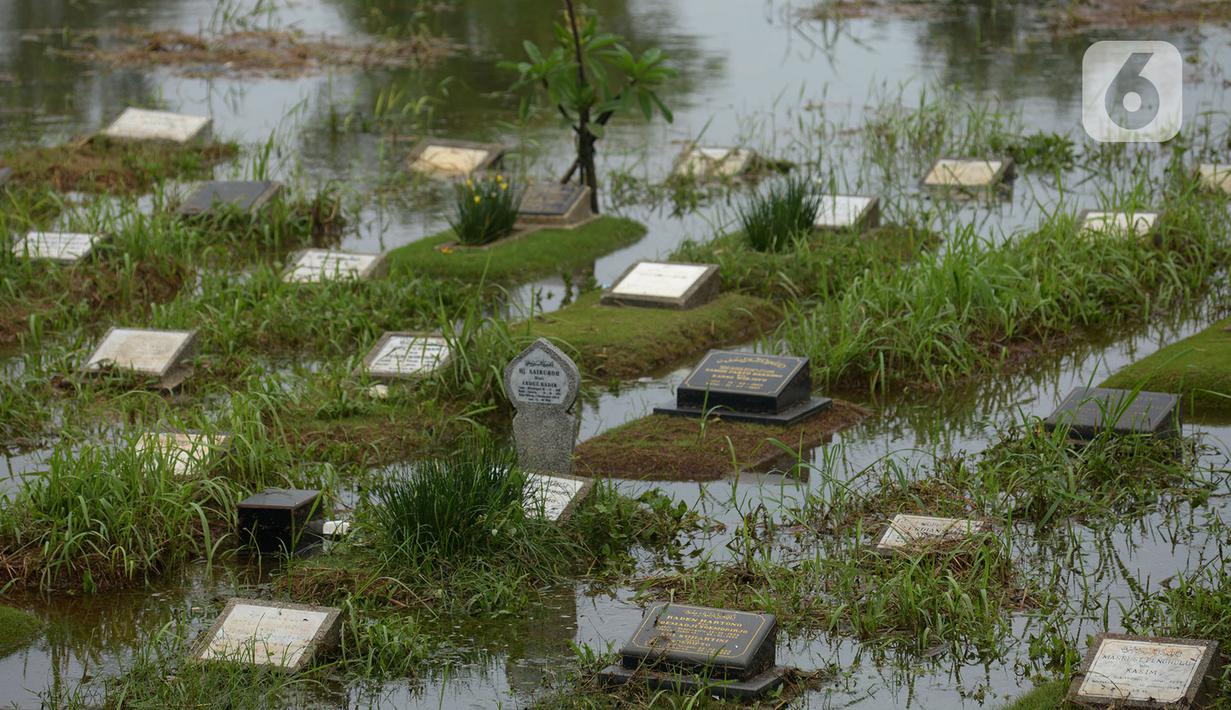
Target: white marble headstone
point(1136, 224)
point(553, 495)
point(842, 211)
point(964, 173)
point(269, 634)
point(315, 265)
point(142, 125)
point(715, 162)
point(1215, 176)
point(186, 453)
point(64, 247)
point(659, 279)
point(407, 355)
point(1142, 670)
point(146, 352)
point(905, 530)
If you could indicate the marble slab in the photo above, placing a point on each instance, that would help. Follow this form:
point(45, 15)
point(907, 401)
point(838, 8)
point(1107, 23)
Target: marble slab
point(60, 247)
point(453, 158)
point(555, 497)
point(144, 352)
point(1143, 672)
point(905, 530)
point(847, 211)
point(665, 285)
point(714, 162)
point(948, 172)
point(188, 454)
point(143, 125)
point(263, 633)
point(1215, 176)
point(406, 355)
point(316, 265)
point(1138, 224)
point(246, 196)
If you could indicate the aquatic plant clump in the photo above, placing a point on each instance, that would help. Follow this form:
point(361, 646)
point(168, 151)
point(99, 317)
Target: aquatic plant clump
point(484, 211)
point(773, 221)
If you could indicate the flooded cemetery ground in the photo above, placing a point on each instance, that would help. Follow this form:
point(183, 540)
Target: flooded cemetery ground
point(305, 294)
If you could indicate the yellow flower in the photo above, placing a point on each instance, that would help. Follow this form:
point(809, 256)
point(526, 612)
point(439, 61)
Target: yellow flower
point(504, 188)
point(500, 178)
point(470, 184)
point(446, 250)
point(477, 199)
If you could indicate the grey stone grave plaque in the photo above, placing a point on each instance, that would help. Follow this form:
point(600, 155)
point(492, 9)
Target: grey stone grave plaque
point(1214, 176)
point(406, 355)
point(739, 386)
point(155, 353)
point(686, 648)
point(247, 197)
point(272, 634)
point(136, 124)
point(906, 530)
point(6, 174)
point(1087, 411)
point(542, 383)
point(1121, 671)
point(665, 285)
point(847, 212)
point(452, 158)
point(1117, 224)
point(316, 265)
point(968, 173)
point(711, 162)
point(555, 497)
point(187, 453)
point(276, 520)
point(554, 204)
point(60, 247)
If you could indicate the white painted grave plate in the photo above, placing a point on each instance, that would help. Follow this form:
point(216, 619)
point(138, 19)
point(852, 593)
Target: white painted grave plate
point(659, 280)
point(147, 352)
point(451, 160)
point(407, 355)
point(64, 247)
point(904, 530)
point(1120, 223)
point(315, 265)
point(1124, 669)
point(553, 495)
point(142, 125)
point(841, 211)
point(185, 452)
point(269, 634)
point(1215, 176)
point(335, 528)
point(715, 162)
point(964, 173)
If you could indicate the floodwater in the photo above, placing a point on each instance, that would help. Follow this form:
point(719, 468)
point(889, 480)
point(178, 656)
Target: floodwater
point(753, 73)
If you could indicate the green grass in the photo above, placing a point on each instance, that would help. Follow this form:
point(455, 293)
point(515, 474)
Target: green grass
point(17, 629)
point(1048, 696)
point(101, 165)
point(772, 221)
point(547, 252)
point(624, 342)
point(1197, 368)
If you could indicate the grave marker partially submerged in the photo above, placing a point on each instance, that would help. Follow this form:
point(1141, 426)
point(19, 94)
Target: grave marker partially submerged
point(317, 265)
point(1087, 411)
point(555, 497)
point(153, 353)
point(247, 197)
point(555, 205)
point(1121, 671)
point(452, 158)
point(847, 212)
point(687, 648)
point(406, 355)
point(272, 634)
point(188, 454)
point(1215, 176)
point(906, 530)
point(665, 285)
point(542, 383)
point(60, 247)
point(968, 174)
point(1119, 224)
point(136, 124)
point(750, 387)
point(275, 521)
point(712, 162)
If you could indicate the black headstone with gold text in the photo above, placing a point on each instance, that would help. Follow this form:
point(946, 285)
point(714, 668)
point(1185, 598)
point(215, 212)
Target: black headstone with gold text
point(751, 387)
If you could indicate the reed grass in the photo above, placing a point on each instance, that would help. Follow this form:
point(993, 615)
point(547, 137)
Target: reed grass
point(774, 220)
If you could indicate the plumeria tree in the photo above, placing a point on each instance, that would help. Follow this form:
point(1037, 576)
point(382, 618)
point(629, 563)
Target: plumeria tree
point(589, 77)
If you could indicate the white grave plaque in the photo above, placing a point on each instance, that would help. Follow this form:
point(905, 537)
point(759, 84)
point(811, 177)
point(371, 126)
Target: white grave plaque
point(1215, 176)
point(64, 247)
point(142, 125)
point(553, 496)
point(146, 352)
point(407, 355)
point(904, 530)
point(842, 211)
point(315, 265)
point(186, 453)
point(1130, 669)
point(715, 162)
point(965, 173)
point(270, 634)
point(661, 280)
point(1119, 223)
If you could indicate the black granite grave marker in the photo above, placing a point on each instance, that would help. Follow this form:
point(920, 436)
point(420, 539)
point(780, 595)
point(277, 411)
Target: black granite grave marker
point(553, 203)
point(685, 648)
point(764, 389)
point(276, 520)
point(1088, 410)
point(247, 197)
